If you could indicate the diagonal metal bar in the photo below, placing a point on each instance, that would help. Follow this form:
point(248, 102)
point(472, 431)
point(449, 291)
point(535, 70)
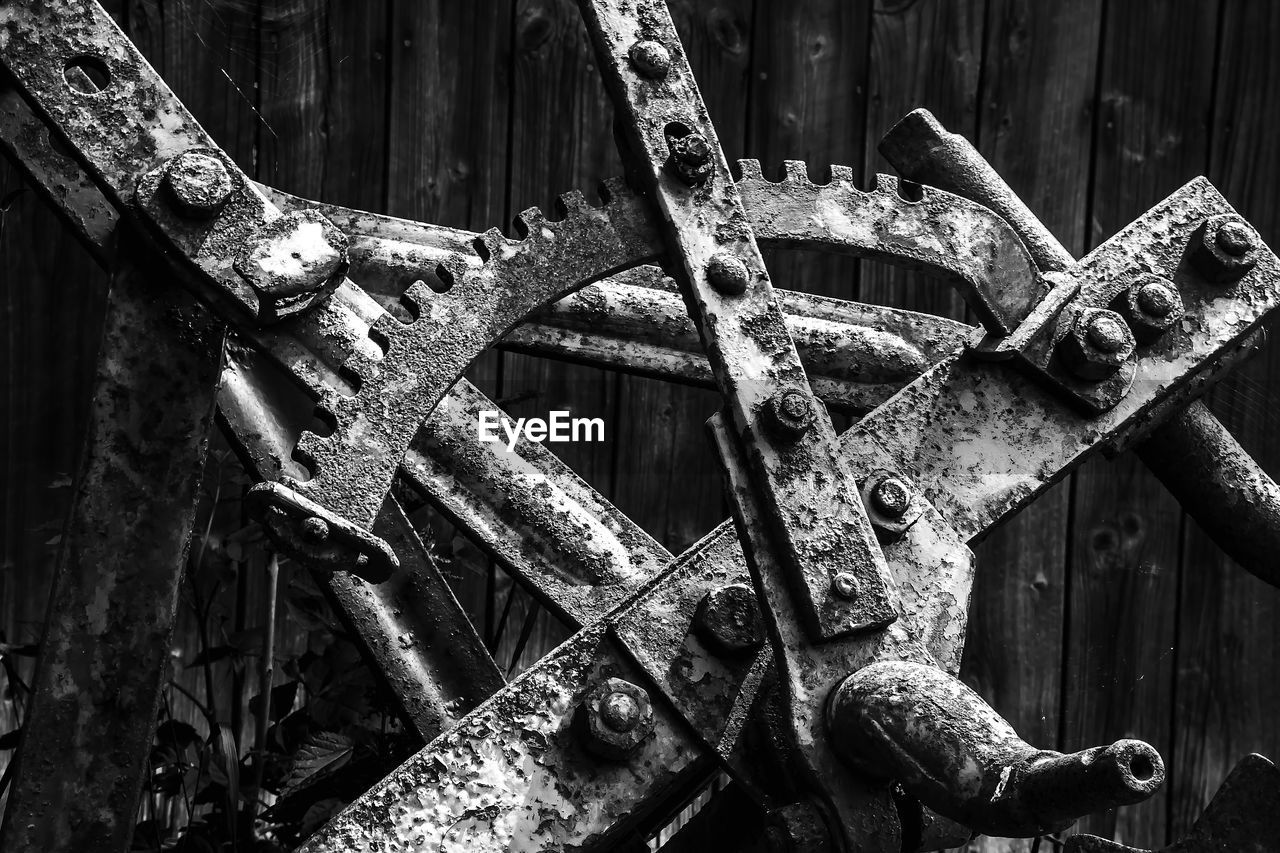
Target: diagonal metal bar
point(98, 682)
point(927, 433)
point(672, 147)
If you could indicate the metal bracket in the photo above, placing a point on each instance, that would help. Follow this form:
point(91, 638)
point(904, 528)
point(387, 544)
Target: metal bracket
point(309, 533)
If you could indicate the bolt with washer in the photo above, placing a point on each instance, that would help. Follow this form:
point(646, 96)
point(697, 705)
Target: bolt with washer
point(788, 414)
point(690, 158)
point(1224, 248)
point(1151, 305)
point(727, 274)
point(614, 719)
point(728, 620)
point(198, 184)
point(891, 497)
point(650, 58)
point(1097, 345)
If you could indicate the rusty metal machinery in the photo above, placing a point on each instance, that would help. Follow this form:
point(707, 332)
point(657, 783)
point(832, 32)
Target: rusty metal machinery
point(808, 647)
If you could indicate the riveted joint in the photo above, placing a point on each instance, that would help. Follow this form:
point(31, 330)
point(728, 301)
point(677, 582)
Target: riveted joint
point(892, 506)
point(727, 274)
point(788, 414)
point(1097, 345)
point(1151, 305)
point(650, 58)
point(691, 158)
point(1224, 248)
point(728, 620)
point(614, 719)
point(197, 184)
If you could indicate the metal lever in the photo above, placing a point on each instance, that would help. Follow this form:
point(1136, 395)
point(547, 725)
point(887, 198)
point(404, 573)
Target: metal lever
point(1192, 453)
point(921, 727)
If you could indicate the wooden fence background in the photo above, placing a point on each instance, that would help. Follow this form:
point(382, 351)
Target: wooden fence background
point(1099, 613)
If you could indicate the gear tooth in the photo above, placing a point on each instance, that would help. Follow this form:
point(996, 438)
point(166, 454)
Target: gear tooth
point(749, 170)
point(882, 183)
point(613, 188)
point(308, 451)
point(571, 203)
point(450, 271)
point(358, 369)
point(795, 171)
point(489, 244)
point(839, 174)
point(530, 221)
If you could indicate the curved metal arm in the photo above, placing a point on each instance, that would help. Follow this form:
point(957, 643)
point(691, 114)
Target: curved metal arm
point(1214, 479)
point(921, 727)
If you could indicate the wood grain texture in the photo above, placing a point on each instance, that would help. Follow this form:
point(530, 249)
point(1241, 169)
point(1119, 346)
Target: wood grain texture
point(1155, 92)
point(1227, 684)
point(1035, 126)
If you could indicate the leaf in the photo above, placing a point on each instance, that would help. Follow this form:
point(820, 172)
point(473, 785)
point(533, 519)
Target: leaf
point(318, 815)
point(282, 696)
point(321, 755)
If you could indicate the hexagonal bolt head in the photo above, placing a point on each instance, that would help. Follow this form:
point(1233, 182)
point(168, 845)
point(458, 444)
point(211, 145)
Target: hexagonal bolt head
point(650, 58)
point(290, 258)
point(198, 184)
point(891, 497)
point(614, 719)
point(690, 158)
point(728, 620)
point(1098, 344)
point(1224, 248)
point(788, 414)
point(727, 274)
point(1151, 305)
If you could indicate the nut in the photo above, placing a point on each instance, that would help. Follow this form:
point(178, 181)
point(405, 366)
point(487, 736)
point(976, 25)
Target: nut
point(1152, 305)
point(293, 257)
point(614, 719)
point(891, 497)
point(650, 58)
point(198, 184)
point(845, 585)
point(788, 414)
point(728, 620)
point(1098, 343)
point(1224, 248)
point(727, 274)
point(690, 158)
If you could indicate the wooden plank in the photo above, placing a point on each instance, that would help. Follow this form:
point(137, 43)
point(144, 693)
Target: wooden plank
point(667, 479)
point(1228, 627)
point(925, 54)
point(809, 102)
point(1155, 88)
point(1034, 125)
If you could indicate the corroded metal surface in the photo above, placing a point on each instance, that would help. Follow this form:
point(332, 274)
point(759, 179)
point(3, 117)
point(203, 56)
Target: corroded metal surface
point(948, 236)
point(102, 659)
point(1239, 510)
point(914, 724)
point(674, 150)
point(1243, 817)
